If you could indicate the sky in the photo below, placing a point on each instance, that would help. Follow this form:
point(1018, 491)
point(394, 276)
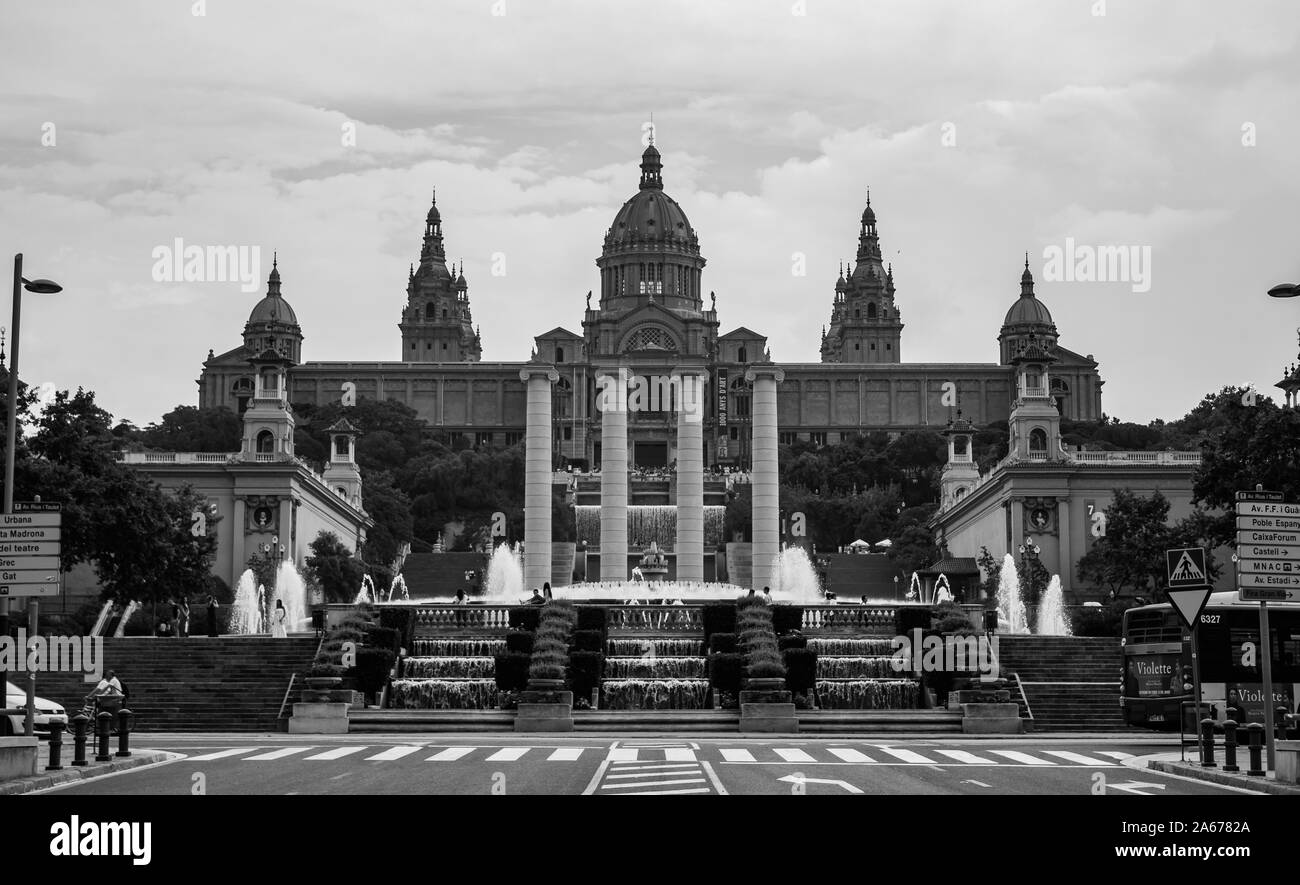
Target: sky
point(318, 130)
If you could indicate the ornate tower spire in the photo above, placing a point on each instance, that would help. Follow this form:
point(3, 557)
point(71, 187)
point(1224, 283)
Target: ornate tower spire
point(651, 169)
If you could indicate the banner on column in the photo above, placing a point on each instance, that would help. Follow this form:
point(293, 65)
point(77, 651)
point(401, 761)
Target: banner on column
point(722, 413)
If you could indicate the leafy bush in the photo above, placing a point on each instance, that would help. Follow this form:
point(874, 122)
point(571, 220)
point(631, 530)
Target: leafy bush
point(384, 637)
point(725, 671)
point(592, 617)
point(743, 603)
point(525, 617)
point(758, 639)
point(787, 618)
point(512, 670)
point(373, 667)
point(400, 619)
point(908, 617)
point(550, 658)
point(950, 618)
point(587, 640)
point(519, 641)
point(792, 640)
point(585, 671)
point(722, 643)
point(801, 669)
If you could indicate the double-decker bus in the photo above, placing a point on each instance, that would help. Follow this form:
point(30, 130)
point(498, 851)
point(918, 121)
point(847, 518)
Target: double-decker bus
point(1157, 676)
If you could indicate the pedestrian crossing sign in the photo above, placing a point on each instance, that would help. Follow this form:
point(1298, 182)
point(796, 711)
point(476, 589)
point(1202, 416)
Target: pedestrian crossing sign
point(1186, 567)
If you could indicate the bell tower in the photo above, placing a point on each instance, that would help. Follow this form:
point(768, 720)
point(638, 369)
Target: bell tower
point(1035, 423)
point(960, 473)
point(341, 473)
point(268, 421)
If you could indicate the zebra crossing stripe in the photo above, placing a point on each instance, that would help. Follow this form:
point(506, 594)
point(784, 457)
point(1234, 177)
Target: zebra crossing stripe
point(906, 756)
point(451, 754)
point(964, 757)
point(393, 753)
point(623, 754)
point(565, 754)
point(277, 754)
point(508, 754)
point(1022, 758)
point(1116, 755)
point(222, 754)
point(846, 754)
point(336, 753)
point(1075, 757)
point(736, 755)
point(679, 754)
point(792, 755)
point(630, 785)
point(647, 774)
point(666, 792)
point(654, 766)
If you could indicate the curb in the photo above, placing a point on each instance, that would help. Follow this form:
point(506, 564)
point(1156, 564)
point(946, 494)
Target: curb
point(1222, 778)
point(69, 775)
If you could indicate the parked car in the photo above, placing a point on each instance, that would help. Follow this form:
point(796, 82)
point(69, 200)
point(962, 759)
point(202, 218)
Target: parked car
point(14, 720)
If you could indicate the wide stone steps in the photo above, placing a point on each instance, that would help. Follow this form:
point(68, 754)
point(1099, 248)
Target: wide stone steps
point(430, 721)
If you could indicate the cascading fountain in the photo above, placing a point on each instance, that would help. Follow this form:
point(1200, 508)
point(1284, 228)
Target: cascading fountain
point(367, 591)
point(292, 591)
point(246, 613)
point(504, 581)
point(126, 616)
point(649, 522)
point(102, 619)
point(796, 578)
point(942, 586)
point(914, 591)
point(1011, 607)
point(1051, 610)
point(399, 583)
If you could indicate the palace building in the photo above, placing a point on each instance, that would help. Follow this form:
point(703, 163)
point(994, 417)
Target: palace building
point(654, 316)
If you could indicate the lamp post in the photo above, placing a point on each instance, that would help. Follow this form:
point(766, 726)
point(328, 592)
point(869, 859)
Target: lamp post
point(41, 287)
point(1028, 559)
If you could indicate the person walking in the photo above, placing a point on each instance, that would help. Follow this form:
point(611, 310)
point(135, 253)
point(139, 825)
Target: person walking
point(213, 605)
point(278, 627)
point(184, 608)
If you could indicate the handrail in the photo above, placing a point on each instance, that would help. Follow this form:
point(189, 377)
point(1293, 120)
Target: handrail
point(1023, 696)
point(288, 692)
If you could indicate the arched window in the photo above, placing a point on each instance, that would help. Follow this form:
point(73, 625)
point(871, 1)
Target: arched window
point(269, 383)
point(430, 312)
point(871, 310)
point(740, 398)
point(265, 442)
point(341, 492)
point(559, 354)
point(959, 494)
point(857, 313)
point(742, 355)
point(959, 445)
point(341, 446)
point(1038, 440)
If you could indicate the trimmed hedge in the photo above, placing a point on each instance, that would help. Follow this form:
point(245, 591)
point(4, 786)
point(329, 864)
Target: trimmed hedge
point(389, 638)
point(512, 670)
point(550, 658)
point(584, 672)
point(722, 643)
point(800, 669)
point(373, 667)
point(525, 617)
point(400, 619)
point(907, 618)
point(519, 641)
point(793, 640)
point(593, 617)
point(787, 618)
point(718, 617)
point(587, 640)
point(725, 671)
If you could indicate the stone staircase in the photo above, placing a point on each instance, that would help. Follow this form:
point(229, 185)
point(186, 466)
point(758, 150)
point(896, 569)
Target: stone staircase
point(196, 684)
point(1070, 684)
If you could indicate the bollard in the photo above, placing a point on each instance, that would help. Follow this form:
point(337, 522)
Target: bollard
point(1230, 745)
point(80, 723)
point(56, 747)
point(1207, 743)
point(124, 732)
point(1255, 733)
point(105, 724)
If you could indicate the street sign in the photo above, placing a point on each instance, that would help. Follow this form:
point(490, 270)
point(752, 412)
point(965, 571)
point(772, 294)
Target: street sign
point(1268, 551)
point(1186, 567)
point(40, 563)
point(29, 549)
point(1188, 602)
point(11, 590)
point(1269, 523)
point(1267, 566)
point(37, 507)
point(1249, 579)
point(23, 534)
point(31, 520)
point(1260, 594)
point(1259, 496)
point(1267, 508)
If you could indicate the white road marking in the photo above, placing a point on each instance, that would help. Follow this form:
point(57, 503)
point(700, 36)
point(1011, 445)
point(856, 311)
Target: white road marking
point(729, 755)
point(451, 754)
point(221, 754)
point(906, 755)
point(565, 754)
point(337, 753)
point(646, 774)
point(688, 780)
point(964, 757)
point(393, 753)
point(1116, 755)
point(622, 754)
point(652, 767)
point(790, 754)
point(850, 755)
point(679, 754)
point(278, 754)
point(1075, 757)
point(508, 754)
point(1022, 758)
point(666, 792)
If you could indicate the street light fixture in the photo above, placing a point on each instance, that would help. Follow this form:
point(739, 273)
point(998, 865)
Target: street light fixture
point(1284, 290)
point(39, 287)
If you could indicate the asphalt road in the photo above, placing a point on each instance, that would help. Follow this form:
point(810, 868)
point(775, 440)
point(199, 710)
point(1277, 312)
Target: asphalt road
point(279, 764)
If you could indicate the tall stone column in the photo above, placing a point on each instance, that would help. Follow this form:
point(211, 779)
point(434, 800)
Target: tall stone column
point(764, 475)
point(537, 474)
point(690, 478)
point(613, 476)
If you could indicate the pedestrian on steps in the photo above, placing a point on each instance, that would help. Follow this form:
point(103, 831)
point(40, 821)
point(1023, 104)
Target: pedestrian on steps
point(212, 615)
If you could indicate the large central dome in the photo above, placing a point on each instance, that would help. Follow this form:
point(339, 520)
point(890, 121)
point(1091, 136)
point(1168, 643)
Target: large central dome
point(650, 215)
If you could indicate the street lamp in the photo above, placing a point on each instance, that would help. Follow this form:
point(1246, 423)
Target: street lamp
point(39, 287)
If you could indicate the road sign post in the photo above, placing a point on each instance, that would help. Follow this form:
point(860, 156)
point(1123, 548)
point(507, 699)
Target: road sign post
point(1188, 591)
point(32, 534)
point(1266, 649)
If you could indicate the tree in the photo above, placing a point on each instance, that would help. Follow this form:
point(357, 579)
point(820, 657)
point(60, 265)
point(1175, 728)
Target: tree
point(189, 429)
point(992, 569)
point(913, 546)
point(390, 508)
point(334, 568)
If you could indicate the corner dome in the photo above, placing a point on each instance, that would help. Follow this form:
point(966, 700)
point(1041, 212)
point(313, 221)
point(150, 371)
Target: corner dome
point(1028, 310)
point(273, 309)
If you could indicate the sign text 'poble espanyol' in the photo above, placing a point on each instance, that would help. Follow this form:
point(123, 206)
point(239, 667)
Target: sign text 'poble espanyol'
point(1268, 547)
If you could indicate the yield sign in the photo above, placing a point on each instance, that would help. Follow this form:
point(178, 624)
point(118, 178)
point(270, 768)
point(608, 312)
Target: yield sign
point(1188, 602)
